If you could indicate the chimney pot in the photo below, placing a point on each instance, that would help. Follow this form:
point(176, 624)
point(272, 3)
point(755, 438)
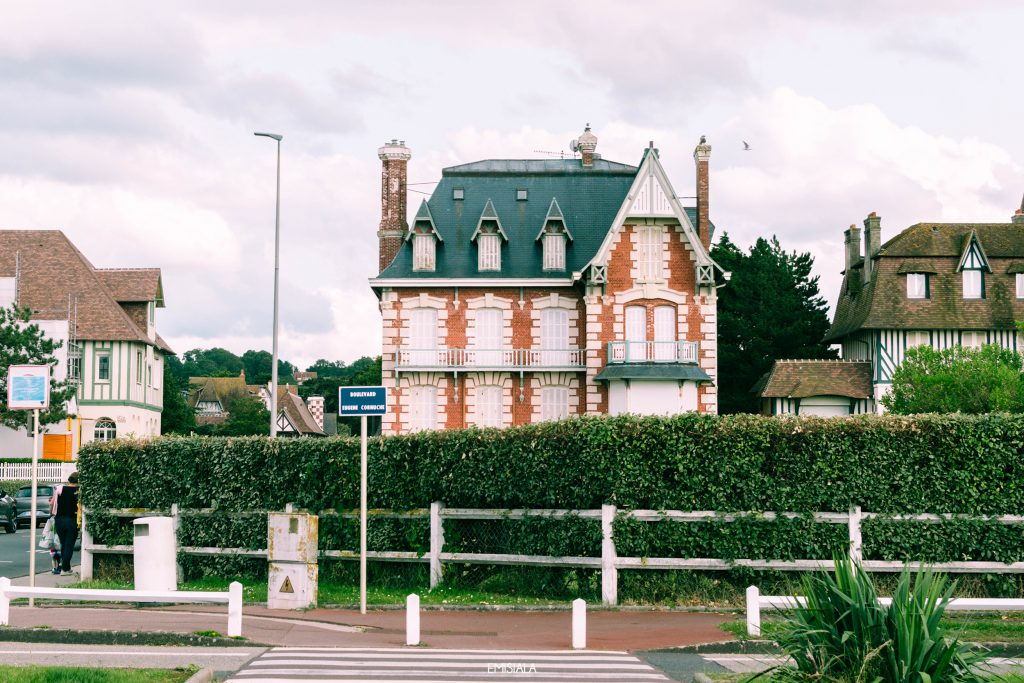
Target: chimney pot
point(587, 144)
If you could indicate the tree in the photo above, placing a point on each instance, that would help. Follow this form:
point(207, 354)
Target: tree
point(215, 362)
point(957, 380)
point(23, 343)
point(247, 416)
point(177, 416)
point(770, 309)
point(257, 366)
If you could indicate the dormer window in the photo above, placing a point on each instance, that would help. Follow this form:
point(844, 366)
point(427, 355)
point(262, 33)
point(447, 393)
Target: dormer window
point(424, 249)
point(553, 235)
point(917, 286)
point(489, 251)
point(974, 284)
point(554, 251)
point(458, 194)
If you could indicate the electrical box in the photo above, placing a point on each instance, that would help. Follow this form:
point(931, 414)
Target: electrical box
point(292, 555)
point(155, 554)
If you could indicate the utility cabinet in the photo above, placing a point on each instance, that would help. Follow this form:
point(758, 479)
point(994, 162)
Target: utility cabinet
point(155, 554)
point(292, 554)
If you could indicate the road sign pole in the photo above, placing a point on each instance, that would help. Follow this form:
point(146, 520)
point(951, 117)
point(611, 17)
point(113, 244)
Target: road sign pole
point(362, 516)
point(35, 496)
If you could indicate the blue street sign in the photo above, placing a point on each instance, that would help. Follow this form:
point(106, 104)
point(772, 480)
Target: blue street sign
point(362, 401)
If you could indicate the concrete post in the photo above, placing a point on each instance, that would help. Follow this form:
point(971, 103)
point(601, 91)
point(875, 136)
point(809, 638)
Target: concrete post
point(609, 573)
point(436, 544)
point(86, 556)
point(856, 545)
point(412, 619)
point(234, 609)
point(175, 526)
point(753, 611)
point(579, 624)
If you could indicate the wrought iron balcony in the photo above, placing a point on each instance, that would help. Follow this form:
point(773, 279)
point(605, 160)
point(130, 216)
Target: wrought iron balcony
point(652, 352)
point(486, 359)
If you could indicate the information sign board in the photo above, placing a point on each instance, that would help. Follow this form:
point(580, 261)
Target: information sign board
point(355, 401)
point(28, 387)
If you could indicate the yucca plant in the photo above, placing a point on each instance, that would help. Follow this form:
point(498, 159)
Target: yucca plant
point(843, 634)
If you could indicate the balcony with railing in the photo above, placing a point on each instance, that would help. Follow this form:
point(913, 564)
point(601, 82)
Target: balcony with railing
point(652, 352)
point(491, 359)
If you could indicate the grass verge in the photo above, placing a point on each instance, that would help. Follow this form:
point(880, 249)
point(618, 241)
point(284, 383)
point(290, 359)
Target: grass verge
point(68, 674)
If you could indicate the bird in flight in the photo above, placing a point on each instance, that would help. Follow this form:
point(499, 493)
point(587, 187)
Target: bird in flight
point(746, 145)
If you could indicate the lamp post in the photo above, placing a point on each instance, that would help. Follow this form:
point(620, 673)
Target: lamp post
point(277, 268)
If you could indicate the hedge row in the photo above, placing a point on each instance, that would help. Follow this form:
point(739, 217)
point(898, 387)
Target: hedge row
point(969, 464)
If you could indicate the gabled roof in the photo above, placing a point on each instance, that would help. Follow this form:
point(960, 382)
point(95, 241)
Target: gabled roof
point(554, 214)
point(133, 284)
point(489, 215)
point(298, 415)
point(588, 199)
point(803, 378)
point(934, 248)
point(423, 216)
point(973, 254)
point(54, 271)
point(216, 388)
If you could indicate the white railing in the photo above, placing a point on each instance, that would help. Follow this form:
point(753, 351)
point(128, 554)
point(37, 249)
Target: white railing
point(652, 352)
point(233, 597)
point(756, 601)
point(509, 359)
point(608, 562)
point(46, 472)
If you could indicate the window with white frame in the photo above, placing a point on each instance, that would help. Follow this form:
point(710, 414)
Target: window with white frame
point(487, 339)
point(105, 429)
point(1020, 285)
point(917, 286)
point(423, 336)
point(423, 254)
point(636, 333)
point(554, 252)
point(157, 375)
point(488, 252)
point(554, 336)
point(665, 333)
point(422, 408)
point(974, 284)
point(488, 410)
point(973, 340)
point(554, 403)
point(918, 338)
point(649, 252)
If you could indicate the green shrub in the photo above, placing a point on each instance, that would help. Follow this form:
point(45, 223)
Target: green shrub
point(843, 634)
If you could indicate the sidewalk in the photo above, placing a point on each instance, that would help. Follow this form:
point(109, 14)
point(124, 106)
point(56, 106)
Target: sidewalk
point(533, 630)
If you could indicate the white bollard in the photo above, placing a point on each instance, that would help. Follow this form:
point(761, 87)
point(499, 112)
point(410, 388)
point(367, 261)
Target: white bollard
point(579, 624)
point(753, 611)
point(412, 619)
point(5, 602)
point(234, 609)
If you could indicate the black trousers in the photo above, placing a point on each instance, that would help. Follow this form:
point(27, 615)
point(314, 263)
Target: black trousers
point(67, 532)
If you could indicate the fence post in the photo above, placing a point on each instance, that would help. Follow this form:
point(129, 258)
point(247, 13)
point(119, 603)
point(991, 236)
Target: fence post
point(753, 611)
point(436, 544)
point(856, 547)
point(234, 609)
point(609, 573)
point(179, 574)
point(85, 568)
point(5, 602)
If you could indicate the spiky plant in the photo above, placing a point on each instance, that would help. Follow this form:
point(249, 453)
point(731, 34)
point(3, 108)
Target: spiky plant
point(843, 634)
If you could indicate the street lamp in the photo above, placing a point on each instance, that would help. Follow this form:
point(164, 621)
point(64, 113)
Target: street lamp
point(277, 268)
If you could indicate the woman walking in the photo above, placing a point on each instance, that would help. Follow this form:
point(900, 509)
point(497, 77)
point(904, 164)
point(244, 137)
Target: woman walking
point(65, 511)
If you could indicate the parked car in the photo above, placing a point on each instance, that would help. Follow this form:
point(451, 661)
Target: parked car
point(8, 512)
point(23, 497)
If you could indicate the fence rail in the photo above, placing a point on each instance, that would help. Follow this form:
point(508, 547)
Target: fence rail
point(46, 472)
point(608, 561)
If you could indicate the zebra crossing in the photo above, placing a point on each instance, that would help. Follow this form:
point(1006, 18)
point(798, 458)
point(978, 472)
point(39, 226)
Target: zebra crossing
point(382, 665)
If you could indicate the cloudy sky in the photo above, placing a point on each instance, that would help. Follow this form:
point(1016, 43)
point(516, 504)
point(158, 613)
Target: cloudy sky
point(129, 126)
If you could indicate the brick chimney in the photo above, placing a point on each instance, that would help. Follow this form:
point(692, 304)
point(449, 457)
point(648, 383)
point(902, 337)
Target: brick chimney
point(852, 246)
point(586, 144)
point(316, 409)
point(394, 225)
point(700, 156)
point(872, 243)
point(1018, 215)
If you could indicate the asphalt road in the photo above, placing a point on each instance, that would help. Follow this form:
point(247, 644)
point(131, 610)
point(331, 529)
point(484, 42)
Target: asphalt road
point(14, 554)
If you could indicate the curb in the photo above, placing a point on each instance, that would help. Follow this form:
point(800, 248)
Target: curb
point(159, 638)
point(728, 647)
point(206, 676)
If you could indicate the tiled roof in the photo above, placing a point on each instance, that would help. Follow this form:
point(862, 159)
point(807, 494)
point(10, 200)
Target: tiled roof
point(934, 248)
point(52, 271)
point(133, 284)
point(802, 378)
point(216, 388)
point(298, 414)
point(588, 198)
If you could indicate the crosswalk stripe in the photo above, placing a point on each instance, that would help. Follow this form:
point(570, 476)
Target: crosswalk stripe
point(381, 665)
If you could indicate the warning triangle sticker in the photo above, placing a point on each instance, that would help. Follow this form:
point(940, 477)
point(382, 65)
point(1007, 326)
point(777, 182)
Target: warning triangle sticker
point(286, 587)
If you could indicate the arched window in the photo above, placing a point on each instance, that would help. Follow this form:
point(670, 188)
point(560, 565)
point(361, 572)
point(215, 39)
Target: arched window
point(106, 429)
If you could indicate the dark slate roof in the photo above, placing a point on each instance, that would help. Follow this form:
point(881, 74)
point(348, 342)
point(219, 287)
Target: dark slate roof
point(589, 198)
point(803, 378)
point(934, 248)
point(675, 371)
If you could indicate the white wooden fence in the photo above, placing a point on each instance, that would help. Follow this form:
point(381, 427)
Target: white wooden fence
point(608, 562)
point(47, 472)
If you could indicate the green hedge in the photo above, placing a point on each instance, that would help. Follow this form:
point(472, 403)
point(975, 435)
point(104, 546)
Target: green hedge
point(960, 464)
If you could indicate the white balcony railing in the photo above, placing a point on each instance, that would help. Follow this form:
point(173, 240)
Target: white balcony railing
point(652, 352)
point(506, 359)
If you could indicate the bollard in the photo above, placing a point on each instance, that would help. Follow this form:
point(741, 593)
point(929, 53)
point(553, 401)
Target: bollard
point(5, 602)
point(753, 611)
point(579, 624)
point(412, 619)
point(234, 610)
